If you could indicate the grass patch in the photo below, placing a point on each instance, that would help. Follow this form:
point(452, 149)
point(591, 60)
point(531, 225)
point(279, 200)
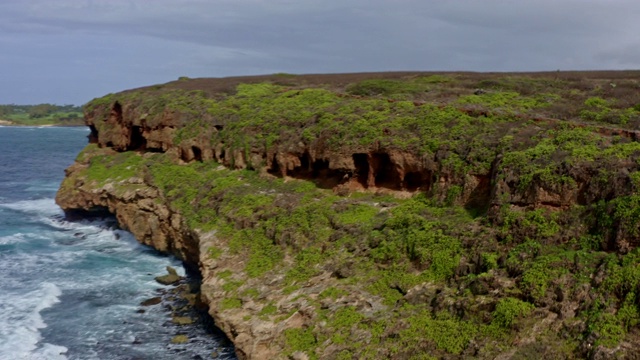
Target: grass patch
point(230, 303)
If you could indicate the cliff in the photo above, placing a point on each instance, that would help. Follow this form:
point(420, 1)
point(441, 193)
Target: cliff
point(387, 215)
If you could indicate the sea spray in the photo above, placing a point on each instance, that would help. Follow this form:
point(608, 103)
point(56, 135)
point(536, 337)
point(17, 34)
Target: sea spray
point(21, 321)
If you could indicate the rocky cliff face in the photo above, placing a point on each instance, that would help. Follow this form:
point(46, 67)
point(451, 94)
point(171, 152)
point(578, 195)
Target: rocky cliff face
point(143, 209)
point(530, 179)
point(138, 208)
point(557, 179)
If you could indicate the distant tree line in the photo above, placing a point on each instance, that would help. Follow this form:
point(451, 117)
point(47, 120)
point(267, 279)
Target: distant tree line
point(39, 110)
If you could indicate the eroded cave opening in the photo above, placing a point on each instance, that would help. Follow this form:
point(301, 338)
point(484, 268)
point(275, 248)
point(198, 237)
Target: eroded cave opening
point(137, 140)
point(386, 174)
point(416, 180)
point(361, 162)
point(325, 177)
point(317, 171)
point(93, 134)
point(274, 169)
point(320, 168)
point(116, 112)
point(305, 159)
point(92, 213)
point(153, 149)
point(480, 198)
point(187, 154)
point(197, 153)
point(304, 170)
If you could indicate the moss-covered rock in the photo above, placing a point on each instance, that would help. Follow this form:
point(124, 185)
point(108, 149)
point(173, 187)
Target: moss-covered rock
point(168, 279)
point(182, 320)
point(180, 339)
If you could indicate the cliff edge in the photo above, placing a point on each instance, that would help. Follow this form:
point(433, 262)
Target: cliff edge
point(386, 215)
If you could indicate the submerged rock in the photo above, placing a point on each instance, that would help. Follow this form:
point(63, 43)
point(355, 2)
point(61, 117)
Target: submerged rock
point(180, 339)
point(168, 279)
point(171, 278)
point(182, 320)
point(153, 301)
point(172, 271)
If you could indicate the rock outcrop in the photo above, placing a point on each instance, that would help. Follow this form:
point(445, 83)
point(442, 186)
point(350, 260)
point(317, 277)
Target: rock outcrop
point(137, 208)
point(141, 208)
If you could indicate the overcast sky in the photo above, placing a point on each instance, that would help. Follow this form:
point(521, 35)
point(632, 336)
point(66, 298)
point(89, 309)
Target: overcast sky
point(70, 51)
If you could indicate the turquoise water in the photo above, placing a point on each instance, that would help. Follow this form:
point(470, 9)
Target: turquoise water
point(72, 290)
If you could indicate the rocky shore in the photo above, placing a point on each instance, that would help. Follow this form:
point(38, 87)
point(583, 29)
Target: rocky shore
point(188, 319)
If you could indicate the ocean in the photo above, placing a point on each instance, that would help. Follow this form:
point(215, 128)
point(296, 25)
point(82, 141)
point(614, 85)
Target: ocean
point(73, 290)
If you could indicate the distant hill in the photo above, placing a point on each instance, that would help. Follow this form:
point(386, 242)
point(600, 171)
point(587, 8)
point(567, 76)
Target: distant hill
point(41, 114)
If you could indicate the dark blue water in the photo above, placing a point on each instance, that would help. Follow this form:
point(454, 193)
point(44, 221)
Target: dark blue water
point(72, 290)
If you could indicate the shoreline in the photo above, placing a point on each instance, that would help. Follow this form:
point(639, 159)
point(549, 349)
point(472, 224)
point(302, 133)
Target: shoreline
point(188, 317)
point(40, 126)
point(9, 123)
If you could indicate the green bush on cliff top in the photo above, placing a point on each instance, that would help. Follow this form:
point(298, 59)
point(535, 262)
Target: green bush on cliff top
point(119, 166)
point(509, 309)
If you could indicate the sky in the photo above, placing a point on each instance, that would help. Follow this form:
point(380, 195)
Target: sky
point(70, 51)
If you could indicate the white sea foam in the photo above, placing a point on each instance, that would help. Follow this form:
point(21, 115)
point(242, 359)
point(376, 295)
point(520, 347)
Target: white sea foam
point(85, 226)
point(20, 323)
point(36, 127)
point(45, 207)
point(11, 239)
point(49, 352)
point(50, 214)
point(42, 187)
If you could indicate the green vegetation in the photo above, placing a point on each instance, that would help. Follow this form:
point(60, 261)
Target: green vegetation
point(447, 332)
point(257, 116)
point(301, 340)
point(230, 303)
point(509, 101)
point(269, 309)
point(122, 166)
point(396, 88)
point(508, 310)
point(601, 110)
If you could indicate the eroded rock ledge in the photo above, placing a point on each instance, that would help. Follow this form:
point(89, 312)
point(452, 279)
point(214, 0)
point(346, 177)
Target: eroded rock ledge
point(499, 165)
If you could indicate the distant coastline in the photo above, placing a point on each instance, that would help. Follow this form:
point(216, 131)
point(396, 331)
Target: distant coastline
point(11, 123)
point(41, 115)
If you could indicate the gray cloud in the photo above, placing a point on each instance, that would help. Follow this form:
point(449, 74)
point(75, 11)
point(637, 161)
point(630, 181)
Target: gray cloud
point(70, 51)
